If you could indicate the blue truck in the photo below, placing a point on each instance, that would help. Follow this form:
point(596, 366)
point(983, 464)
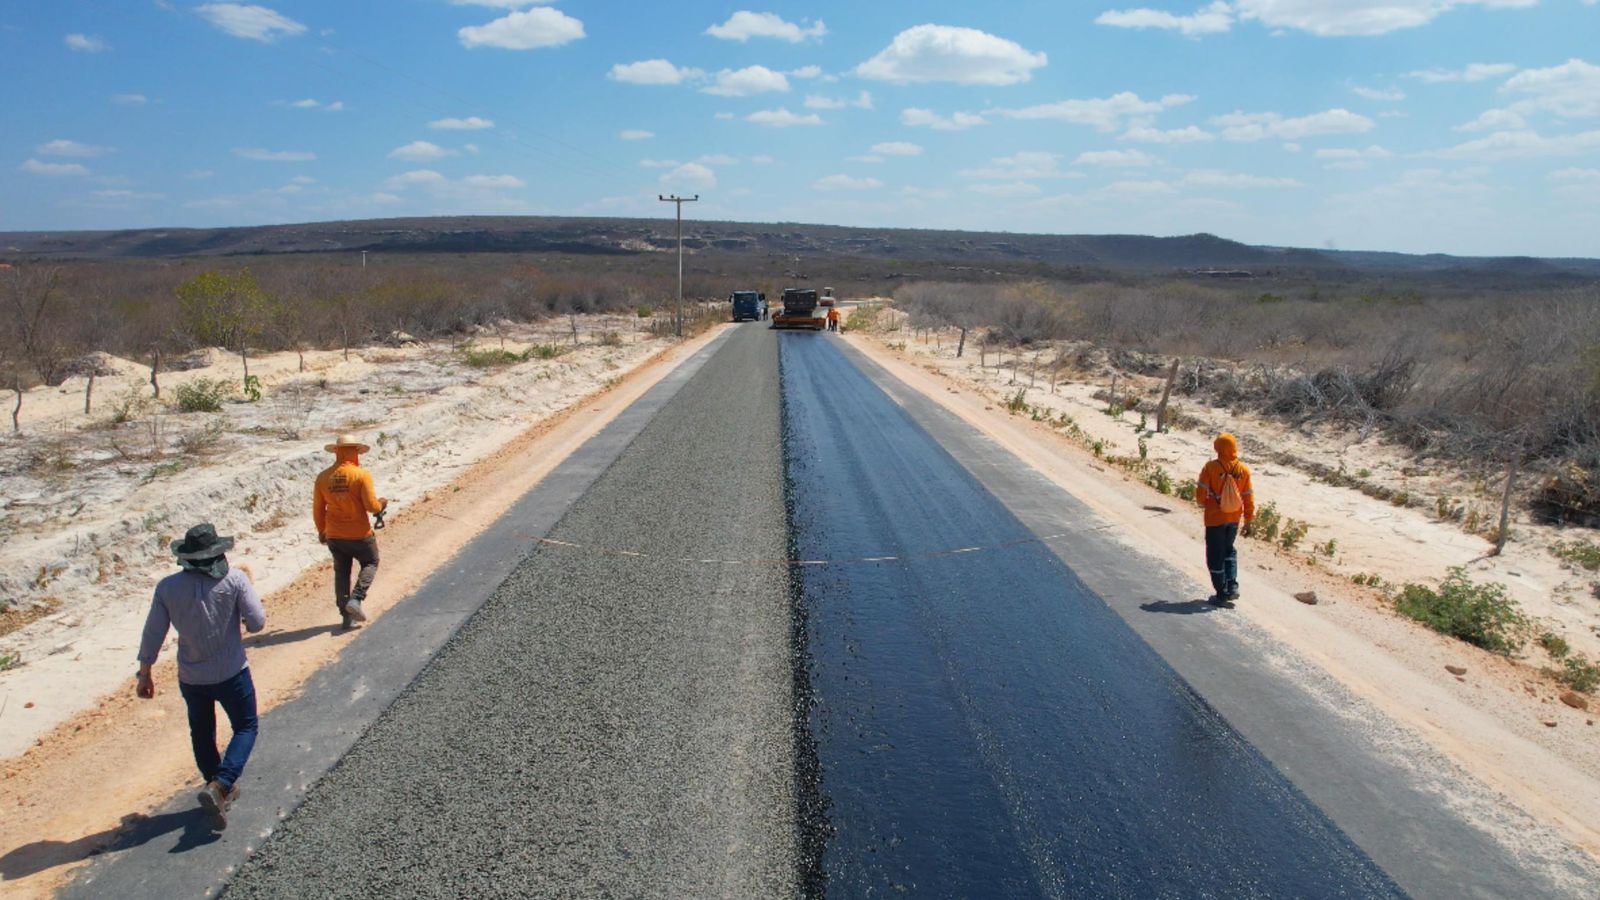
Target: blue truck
point(751, 305)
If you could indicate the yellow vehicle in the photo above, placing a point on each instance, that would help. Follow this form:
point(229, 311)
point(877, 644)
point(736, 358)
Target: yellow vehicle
point(800, 310)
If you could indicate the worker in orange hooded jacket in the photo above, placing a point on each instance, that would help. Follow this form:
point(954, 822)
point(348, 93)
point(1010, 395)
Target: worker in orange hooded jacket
point(1223, 491)
point(340, 503)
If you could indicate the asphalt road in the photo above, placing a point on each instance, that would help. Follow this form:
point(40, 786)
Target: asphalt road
point(1014, 721)
point(985, 725)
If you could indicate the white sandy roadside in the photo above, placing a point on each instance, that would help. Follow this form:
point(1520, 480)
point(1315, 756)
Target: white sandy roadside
point(1492, 721)
point(86, 527)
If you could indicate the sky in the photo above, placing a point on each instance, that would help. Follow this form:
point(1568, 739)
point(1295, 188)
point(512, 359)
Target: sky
point(1420, 126)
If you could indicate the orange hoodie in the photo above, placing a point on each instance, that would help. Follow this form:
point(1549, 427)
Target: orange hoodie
point(343, 497)
point(1208, 487)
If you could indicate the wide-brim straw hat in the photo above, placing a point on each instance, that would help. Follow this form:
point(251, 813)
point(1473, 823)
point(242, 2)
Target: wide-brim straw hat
point(347, 441)
point(202, 542)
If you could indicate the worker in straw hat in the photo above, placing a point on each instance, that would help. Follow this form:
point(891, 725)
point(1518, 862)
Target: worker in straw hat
point(207, 602)
point(343, 498)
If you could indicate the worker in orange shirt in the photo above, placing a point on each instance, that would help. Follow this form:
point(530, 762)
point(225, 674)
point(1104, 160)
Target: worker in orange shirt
point(343, 497)
point(1224, 491)
point(833, 318)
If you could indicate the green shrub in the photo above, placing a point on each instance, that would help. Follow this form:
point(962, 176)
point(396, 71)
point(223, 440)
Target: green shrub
point(488, 359)
point(1579, 674)
point(203, 395)
point(610, 339)
point(646, 312)
point(1293, 531)
point(1185, 489)
point(1265, 525)
point(545, 351)
point(1578, 553)
point(9, 661)
point(1555, 645)
point(1480, 614)
point(1018, 403)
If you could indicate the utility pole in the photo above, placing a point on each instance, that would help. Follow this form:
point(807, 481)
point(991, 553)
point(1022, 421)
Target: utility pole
point(363, 259)
point(679, 202)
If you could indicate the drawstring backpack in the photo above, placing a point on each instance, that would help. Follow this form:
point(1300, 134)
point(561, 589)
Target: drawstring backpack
point(1230, 501)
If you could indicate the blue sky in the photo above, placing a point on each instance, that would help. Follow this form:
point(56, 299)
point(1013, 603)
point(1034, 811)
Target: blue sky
point(1458, 126)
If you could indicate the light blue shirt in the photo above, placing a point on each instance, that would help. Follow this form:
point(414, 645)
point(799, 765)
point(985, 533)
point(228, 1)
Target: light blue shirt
point(207, 612)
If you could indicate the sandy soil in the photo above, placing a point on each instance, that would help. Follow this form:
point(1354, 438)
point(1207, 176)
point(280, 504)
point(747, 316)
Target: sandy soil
point(1502, 721)
point(466, 451)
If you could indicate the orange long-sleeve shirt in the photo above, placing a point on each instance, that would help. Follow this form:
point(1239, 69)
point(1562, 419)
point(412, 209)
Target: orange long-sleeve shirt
point(1208, 487)
point(343, 497)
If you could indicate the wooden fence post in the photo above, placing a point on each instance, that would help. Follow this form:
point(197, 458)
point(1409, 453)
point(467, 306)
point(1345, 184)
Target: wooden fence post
point(1161, 410)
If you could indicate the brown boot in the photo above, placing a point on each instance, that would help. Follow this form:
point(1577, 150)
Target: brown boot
point(214, 800)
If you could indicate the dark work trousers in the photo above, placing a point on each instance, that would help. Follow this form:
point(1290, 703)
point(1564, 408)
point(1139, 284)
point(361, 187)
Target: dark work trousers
point(1222, 559)
point(365, 552)
point(237, 696)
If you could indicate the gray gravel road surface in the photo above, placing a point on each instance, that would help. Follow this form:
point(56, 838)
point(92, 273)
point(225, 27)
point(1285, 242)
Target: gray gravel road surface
point(605, 726)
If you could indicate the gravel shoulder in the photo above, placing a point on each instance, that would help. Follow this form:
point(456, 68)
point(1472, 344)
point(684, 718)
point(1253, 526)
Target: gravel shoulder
point(605, 725)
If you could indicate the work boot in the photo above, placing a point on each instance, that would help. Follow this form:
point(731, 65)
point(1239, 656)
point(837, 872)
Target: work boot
point(214, 800)
point(1220, 600)
point(354, 612)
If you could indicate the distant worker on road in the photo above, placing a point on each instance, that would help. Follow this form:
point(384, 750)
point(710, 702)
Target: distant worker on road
point(833, 318)
point(343, 497)
point(1223, 490)
point(206, 603)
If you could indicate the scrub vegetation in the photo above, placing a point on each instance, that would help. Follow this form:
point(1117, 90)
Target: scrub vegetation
point(1482, 379)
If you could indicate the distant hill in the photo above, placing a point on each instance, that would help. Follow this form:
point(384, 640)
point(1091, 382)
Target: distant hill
point(1197, 253)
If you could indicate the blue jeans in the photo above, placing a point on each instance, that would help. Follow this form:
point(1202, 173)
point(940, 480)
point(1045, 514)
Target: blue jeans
point(238, 698)
point(1222, 559)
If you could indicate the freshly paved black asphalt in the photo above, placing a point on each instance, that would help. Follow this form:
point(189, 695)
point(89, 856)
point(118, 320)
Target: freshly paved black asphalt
point(985, 725)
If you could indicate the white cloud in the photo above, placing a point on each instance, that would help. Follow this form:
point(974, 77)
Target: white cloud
point(782, 118)
point(259, 155)
point(845, 183)
point(1382, 95)
point(61, 147)
point(525, 30)
point(1350, 159)
point(1005, 189)
point(1137, 188)
point(498, 182)
point(1341, 18)
point(302, 179)
point(35, 167)
point(689, 177)
point(1292, 147)
point(806, 72)
point(500, 4)
point(746, 82)
point(636, 134)
point(1210, 178)
point(863, 100)
point(1587, 176)
point(943, 53)
point(1495, 120)
point(652, 71)
point(1213, 19)
point(1104, 114)
point(129, 99)
point(659, 163)
point(1523, 145)
point(930, 119)
point(414, 177)
point(311, 103)
point(718, 159)
point(124, 194)
point(1473, 72)
point(420, 151)
point(1570, 90)
point(744, 25)
point(256, 23)
point(897, 148)
point(1242, 126)
point(1115, 158)
point(867, 158)
point(470, 148)
point(86, 43)
point(470, 123)
point(1146, 134)
point(1025, 166)
point(724, 116)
